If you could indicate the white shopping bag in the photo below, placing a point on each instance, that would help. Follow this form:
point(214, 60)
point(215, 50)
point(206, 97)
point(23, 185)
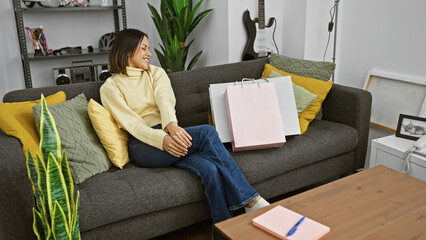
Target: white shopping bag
point(286, 100)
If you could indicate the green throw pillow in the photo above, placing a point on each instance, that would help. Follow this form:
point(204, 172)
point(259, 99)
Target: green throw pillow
point(306, 68)
point(85, 153)
point(302, 95)
point(275, 74)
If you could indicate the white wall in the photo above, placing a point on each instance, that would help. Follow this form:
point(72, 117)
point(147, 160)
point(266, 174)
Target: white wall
point(316, 32)
point(294, 28)
point(237, 33)
point(211, 35)
point(11, 75)
point(139, 17)
point(388, 35)
point(305, 32)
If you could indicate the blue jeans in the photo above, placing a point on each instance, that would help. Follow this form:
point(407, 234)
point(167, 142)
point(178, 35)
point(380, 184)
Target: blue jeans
point(225, 187)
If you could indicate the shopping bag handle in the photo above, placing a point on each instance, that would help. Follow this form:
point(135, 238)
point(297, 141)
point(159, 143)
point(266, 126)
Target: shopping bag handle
point(246, 79)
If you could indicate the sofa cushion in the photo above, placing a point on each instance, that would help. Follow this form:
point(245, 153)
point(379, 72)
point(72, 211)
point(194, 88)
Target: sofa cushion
point(314, 69)
point(120, 194)
point(323, 140)
point(17, 120)
point(86, 156)
point(112, 137)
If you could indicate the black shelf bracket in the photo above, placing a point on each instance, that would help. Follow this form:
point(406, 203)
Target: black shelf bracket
point(22, 43)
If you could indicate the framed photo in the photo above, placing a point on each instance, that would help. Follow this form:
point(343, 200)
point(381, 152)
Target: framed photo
point(411, 127)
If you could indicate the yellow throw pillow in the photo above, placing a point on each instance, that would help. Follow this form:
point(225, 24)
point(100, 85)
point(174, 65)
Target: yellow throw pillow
point(112, 137)
point(17, 120)
point(315, 86)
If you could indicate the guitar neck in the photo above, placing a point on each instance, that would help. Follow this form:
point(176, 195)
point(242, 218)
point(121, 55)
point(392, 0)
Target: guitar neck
point(261, 15)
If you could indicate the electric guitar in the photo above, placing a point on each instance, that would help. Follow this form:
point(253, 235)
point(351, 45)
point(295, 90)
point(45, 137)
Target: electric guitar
point(260, 38)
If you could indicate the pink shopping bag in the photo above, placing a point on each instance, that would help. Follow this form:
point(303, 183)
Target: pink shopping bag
point(254, 116)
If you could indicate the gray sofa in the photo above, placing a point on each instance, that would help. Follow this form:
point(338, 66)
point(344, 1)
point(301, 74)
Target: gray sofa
point(139, 203)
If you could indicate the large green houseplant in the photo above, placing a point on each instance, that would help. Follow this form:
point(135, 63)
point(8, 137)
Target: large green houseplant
point(176, 22)
point(56, 216)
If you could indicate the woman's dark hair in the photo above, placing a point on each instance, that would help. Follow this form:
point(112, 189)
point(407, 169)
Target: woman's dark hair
point(125, 45)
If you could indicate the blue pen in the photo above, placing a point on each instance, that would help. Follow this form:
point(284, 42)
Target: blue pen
point(294, 228)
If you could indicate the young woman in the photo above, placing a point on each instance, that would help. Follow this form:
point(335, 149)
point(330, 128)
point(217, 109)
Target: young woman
point(141, 99)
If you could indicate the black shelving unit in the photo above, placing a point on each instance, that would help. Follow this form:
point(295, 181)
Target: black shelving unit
point(27, 58)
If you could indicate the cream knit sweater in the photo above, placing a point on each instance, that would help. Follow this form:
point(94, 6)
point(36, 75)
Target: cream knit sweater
point(139, 100)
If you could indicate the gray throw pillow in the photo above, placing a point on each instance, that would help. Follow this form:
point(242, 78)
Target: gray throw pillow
point(85, 153)
point(307, 68)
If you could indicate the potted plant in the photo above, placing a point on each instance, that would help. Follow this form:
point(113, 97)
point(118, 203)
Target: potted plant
point(174, 25)
point(56, 216)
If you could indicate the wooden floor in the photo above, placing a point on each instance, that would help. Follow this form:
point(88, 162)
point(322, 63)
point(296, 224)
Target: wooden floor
point(198, 231)
point(203, 230)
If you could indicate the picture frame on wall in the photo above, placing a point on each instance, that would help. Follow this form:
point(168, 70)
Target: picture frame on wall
point(392, 94)
point(411, 127)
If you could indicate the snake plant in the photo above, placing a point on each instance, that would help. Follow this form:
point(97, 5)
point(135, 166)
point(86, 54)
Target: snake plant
point(56, 216)
point(176, 22)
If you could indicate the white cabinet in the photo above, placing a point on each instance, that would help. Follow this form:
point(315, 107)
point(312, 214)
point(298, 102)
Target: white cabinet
point(389, 151)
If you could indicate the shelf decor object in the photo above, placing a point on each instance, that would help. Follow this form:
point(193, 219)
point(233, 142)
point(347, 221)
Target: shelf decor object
point(36, 34)
point(411, 127)
point(174, 25)
point(26, 57)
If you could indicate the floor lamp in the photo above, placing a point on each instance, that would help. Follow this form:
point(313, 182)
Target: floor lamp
point(336, 9)
point(332, 25)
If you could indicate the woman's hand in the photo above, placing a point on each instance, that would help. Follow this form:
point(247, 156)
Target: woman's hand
point(174, 148)
point(179, 135)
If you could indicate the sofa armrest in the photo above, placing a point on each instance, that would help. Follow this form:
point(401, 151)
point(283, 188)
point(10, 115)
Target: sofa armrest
point(16, 195)
point(350, 106)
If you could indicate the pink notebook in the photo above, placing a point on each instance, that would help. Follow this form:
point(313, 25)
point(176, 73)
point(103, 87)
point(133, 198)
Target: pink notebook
point(279, 220)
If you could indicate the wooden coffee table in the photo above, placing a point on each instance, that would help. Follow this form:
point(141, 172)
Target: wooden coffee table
point(378, 203)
